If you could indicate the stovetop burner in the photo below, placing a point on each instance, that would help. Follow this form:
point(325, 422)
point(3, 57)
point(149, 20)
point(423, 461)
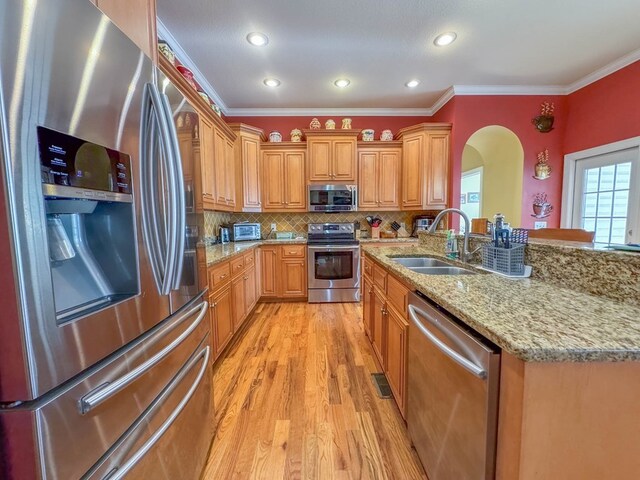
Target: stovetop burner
point(331, 234)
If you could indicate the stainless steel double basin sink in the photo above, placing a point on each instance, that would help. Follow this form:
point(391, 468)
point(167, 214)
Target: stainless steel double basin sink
point(431, 266)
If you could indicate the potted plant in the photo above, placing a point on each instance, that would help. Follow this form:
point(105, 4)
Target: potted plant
point(544, 121)
point(541, 206)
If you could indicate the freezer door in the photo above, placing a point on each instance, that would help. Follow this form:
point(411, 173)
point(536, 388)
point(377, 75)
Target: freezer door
point(78, 426)
point(64, 66)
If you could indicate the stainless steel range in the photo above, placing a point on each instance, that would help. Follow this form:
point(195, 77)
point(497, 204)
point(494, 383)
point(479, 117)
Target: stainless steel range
point(334, 263)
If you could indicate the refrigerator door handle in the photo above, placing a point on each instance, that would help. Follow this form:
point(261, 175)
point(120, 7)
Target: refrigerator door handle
point(109, 389)
point(178, 200)
point(444, 348)
point(158, 123)
point(123, 470)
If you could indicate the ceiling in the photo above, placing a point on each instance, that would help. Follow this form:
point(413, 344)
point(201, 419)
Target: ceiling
point(381, 44)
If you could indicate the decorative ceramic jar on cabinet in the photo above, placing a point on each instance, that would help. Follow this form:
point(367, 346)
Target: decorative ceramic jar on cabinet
point(315, 124)
point(330, 125)
point(346, 123)
point(296, 135)
point(275, 137)
point(386, 136)
point(367, 135)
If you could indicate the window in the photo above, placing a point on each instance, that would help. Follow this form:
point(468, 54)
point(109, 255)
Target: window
point(606, 195)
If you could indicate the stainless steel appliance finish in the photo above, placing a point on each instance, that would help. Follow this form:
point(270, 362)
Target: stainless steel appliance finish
point(333, 263)
point(101, 374)
point(333, 198)
point(240, 232)
point(452, 405)
point(421, 224)
point(223, 234)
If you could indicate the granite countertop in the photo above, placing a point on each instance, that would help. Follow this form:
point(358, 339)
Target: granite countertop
point(389, 240)
point(531, 319)
point(218, 253)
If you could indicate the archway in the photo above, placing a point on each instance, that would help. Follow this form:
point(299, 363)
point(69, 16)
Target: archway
point(493, 162)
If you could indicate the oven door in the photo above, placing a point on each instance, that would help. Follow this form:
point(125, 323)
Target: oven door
point(334, 266)
point(332, 198)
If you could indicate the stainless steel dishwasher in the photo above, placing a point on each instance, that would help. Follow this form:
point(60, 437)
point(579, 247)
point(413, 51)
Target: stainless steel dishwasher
point(452, 405)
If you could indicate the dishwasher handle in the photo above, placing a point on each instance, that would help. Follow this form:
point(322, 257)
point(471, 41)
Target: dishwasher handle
point(443, 347)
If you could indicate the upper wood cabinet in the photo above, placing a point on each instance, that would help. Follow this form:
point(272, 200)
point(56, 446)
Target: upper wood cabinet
point(206, 164)
point(332, 155)
point(247, 167)
point(379, 168)
point(425, 166)
point(283, 178)
point(137, 19)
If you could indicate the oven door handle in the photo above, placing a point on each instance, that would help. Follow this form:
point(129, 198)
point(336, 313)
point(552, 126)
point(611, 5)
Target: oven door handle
point(332, 248)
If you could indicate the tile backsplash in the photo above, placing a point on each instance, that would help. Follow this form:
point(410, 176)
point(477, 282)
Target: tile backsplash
point(297, 222)
point(212, 220)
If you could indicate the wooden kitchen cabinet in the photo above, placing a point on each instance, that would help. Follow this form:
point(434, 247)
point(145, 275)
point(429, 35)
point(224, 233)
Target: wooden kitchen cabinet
point(224, 171)
point(379, 169)
point(221, 318)
point(247, 167)
point(378, 325)
point(367, 300)
point(250, 289)
point(230, 180)
point(425, 166)
point(283, 179)
point(332, 156)
point(283, 271)
point(396, 354)
point(208, 176)
point(238, 296)
point(137, 19)
point(268, 271)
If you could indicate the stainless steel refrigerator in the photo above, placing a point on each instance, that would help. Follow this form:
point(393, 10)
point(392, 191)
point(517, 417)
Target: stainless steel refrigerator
point(105, 342)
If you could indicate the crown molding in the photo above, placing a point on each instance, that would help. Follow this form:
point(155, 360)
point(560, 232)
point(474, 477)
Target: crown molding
point(509, 90)
point(442, 101)
point(324, 112)
point(185, 59)
point(612, 67)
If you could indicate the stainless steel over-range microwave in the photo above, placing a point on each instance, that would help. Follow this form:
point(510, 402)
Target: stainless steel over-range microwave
point(333, 198)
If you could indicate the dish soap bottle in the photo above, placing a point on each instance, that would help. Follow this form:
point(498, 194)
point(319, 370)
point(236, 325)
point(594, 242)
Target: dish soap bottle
point(451, 250)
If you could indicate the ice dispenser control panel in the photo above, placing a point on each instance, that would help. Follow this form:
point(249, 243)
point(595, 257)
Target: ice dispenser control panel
point(67, 161)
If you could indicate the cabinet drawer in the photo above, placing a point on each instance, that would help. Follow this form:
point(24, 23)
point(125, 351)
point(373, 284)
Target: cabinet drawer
point(397, 294)
point(249, 259)
point(368, 267)
point(380, 277)
point(237, 265)
point(218, 275)
point(293, 251)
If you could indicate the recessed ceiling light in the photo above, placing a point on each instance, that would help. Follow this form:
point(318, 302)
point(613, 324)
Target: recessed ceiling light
point(412, 83)
point(342, 83)
point(271, 82)
point(257, 39)
point(445, 39)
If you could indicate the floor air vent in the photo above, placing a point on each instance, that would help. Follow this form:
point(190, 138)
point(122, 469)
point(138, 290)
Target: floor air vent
point(380, 381)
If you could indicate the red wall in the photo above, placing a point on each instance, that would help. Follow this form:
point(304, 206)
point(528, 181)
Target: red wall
point(471, 113)
point(605, 111)
point(284, 125)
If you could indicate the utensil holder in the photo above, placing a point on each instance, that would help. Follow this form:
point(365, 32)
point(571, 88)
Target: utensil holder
point(509, 261)
point(375, 232)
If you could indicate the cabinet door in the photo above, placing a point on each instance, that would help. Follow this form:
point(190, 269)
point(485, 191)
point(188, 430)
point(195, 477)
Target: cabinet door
point(206, 160)
point(222, 318)
point(295, 188)
point(437, 170)
point(220, 167)
point(396, 355)
point(230, 174)
point(368, 180)
point(389, 180)
point(378, 328)
point(268, 271)
point(412, 177)
point(294, 278)
point(239, 302)
point(343, 168)
point(319, 160)
point(251, 173)
point(137, 19)
point(367, 310)
point(273, 180)
point(250, 290)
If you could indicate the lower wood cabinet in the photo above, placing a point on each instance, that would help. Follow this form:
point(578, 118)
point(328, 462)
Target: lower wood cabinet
point(283, 271)
point(221, 318)
point(385, 323)
point(239, 301)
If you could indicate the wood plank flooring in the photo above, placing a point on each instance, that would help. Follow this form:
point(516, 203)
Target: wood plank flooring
point(294, 400)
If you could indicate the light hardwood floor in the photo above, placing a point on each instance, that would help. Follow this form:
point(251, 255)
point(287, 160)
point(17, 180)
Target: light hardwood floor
point(294, 400)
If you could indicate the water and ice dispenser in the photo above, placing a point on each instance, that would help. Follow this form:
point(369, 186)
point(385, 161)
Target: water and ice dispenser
point(91, 230)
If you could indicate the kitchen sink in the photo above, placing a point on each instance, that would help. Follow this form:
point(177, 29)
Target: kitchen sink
point(448, 270)
point(412, 262)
